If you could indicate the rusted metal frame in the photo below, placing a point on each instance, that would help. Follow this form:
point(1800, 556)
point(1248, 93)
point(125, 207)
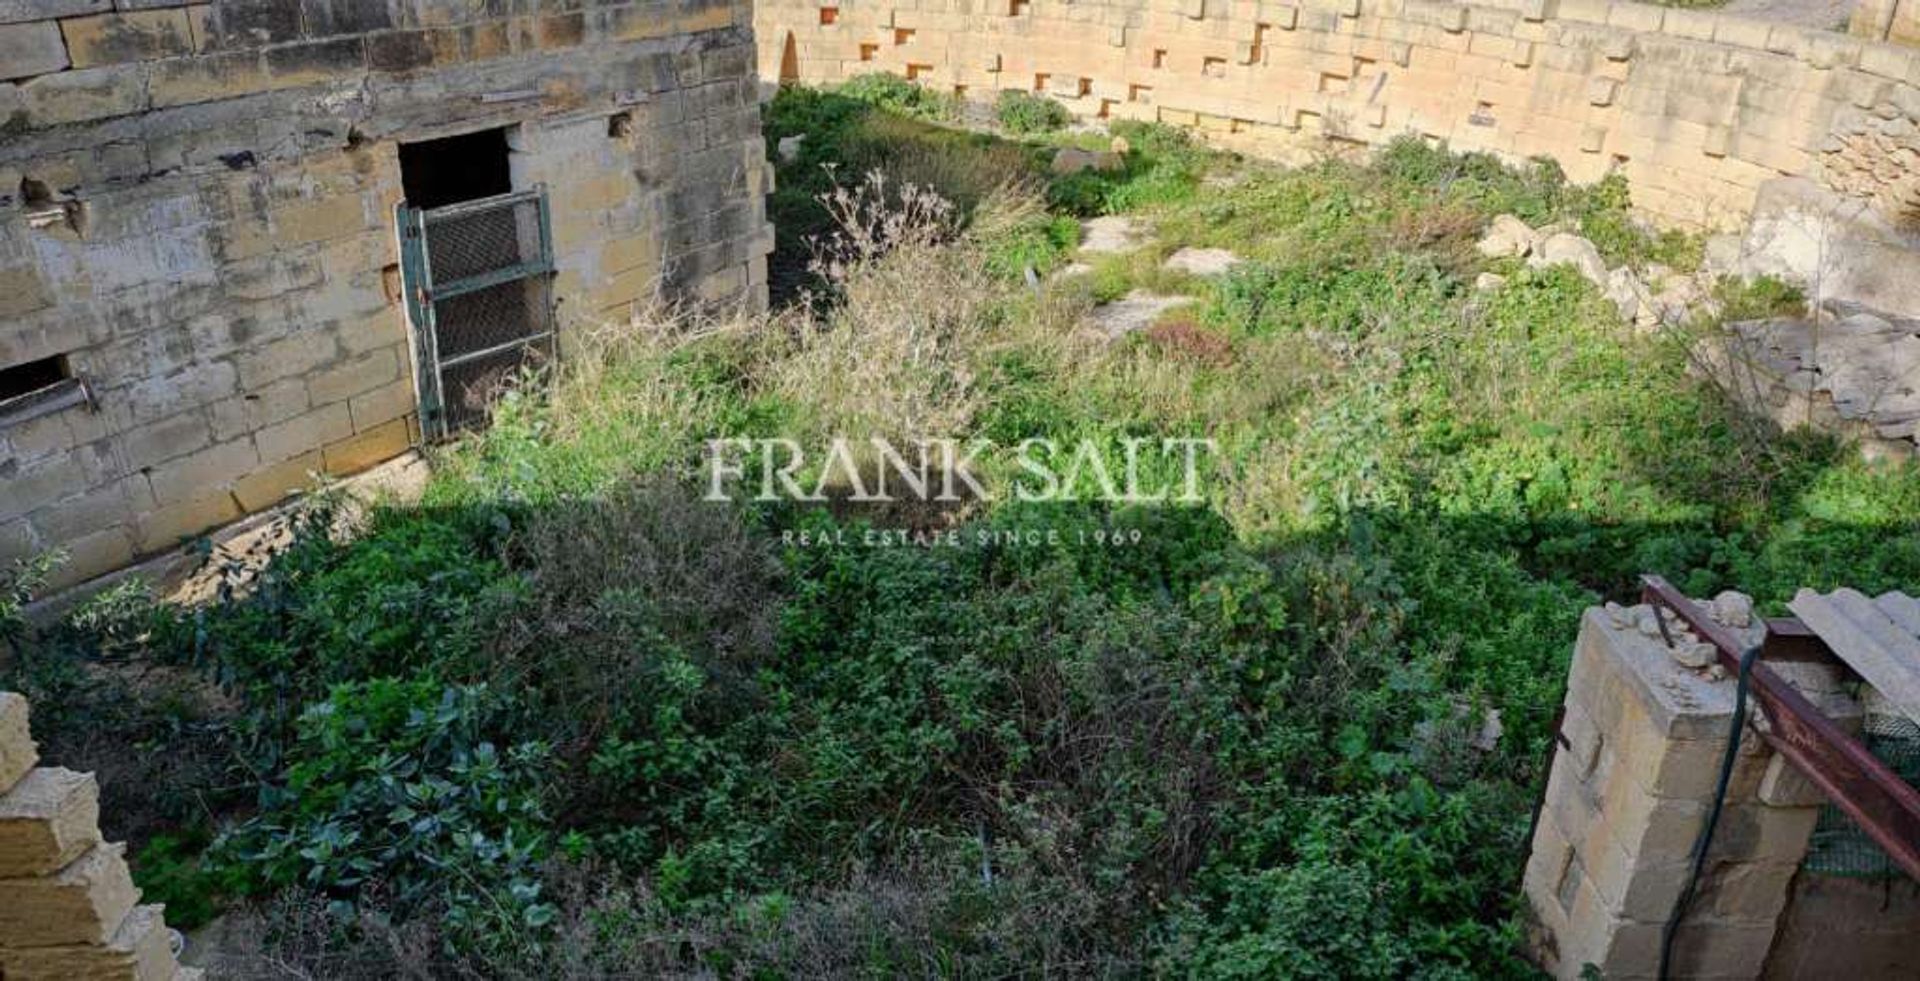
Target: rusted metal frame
point(1886, 807)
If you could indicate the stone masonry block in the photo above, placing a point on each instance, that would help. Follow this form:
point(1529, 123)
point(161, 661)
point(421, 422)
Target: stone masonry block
point(83, 903)
point(1720, 949)
point(135, 35)
point(381, 405)
point(49, 818)
point(167, 526)
point(320, 220)
point(1753, 892)
point(15, 11)
point(216, 466)
point(1636, 16)
point(362, 374)
point(31, 49)
point(269, 486)
point(85, 94)
point(1783, 785)
point(140, 950)
point(185, 81)
point(17, 752)
point(304, 432)
point(363, 450)
point(1600, 91)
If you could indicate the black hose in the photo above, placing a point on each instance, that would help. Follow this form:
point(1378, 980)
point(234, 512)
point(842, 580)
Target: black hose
point(1705, 839)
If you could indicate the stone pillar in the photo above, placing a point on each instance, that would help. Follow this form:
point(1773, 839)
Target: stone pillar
point(1631, 784)
point(68, 906)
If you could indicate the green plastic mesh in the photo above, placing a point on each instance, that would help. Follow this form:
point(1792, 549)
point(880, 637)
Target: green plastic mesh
point(1839, 846)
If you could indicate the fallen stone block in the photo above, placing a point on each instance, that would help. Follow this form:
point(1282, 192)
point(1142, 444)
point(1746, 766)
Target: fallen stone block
point(47, 820)
point(81, 904)
point(1507, 236)
point(17, 752)
point(1571, 249)
point(140, 950)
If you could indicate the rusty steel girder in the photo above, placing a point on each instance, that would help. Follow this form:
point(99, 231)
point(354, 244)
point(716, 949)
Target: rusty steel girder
point(1886, 807)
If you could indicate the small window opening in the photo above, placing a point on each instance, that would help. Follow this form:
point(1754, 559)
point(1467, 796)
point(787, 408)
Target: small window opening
point(829, 16)
point(620, 125)
point(902, 35)
point(435, 173)
point(869, 51)
point(38, 387)
point(1159, 57)
point(1040, 81)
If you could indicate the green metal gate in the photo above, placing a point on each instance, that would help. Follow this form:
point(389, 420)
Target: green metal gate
point(479, 287)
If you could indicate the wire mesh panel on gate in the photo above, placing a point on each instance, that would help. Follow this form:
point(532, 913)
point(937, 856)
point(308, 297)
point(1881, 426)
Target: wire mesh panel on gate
point(481, 295)
point(1839, 847)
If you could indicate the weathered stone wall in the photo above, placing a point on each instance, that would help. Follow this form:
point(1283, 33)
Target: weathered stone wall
point(197, 209)
point(1840, 927)
point(68, 905)
point(1697, 109)
point(1886, 20)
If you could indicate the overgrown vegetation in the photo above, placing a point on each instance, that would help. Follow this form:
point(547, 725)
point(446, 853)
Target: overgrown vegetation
point(566, 718)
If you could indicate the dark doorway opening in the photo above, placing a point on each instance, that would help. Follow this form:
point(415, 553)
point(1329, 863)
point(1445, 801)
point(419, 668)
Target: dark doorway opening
point(434, 173)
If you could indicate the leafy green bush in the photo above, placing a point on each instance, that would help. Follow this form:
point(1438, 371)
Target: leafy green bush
point(1025, 113)
point(403, 784)
point(894, 94)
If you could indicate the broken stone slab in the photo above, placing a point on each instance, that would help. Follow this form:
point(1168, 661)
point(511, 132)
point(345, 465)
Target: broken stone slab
point(1570, 249)
point(1507, 236)
point(83, 903)
point(1861, 633)
point(788, 149)
point(1202, 262)
point(1109, 234)
point(17, 752)
point(1831, 245)
point(47, 820)
point(140, 950)
point(1135, 311)
point(1072, 269)
point(1487, 282)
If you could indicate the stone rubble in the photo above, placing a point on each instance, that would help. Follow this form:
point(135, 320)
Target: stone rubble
point(1843, 370)
point(1663, 296)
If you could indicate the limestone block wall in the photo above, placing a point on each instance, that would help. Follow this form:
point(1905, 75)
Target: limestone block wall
point(1642, 739)
point(1886, 20)
point(1696, 108)
point(197, 216)
point(1840, 927)
point(68, 906)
